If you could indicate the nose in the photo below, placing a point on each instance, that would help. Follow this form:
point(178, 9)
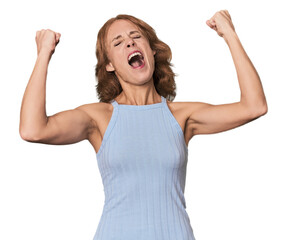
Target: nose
point(130, 43)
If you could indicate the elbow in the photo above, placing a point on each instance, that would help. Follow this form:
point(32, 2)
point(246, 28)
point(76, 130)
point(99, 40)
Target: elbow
point(255, 110)
point(263, 109)
point(28, 136)
point(259, 111)
point(25, 135)
point(256, 107)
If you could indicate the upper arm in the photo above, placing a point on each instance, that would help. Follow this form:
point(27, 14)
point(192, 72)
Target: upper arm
point(66, 127)
point(205, 118)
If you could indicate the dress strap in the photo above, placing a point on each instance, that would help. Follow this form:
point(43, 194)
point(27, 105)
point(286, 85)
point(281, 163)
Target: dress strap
point(174, 122)
point(114, 103)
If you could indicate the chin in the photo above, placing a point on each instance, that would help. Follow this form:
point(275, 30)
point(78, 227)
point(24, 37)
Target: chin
point(144, 78)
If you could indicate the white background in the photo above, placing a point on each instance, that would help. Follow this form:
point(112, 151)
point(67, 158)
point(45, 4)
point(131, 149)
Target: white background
point(236, 180)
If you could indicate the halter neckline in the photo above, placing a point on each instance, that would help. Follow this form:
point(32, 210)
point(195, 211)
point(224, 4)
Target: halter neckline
point(140, 107)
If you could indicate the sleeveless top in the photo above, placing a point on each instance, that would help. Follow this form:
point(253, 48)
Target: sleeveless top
point(142, 161)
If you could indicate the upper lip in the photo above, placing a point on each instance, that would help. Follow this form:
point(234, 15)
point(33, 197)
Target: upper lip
point(134, 52)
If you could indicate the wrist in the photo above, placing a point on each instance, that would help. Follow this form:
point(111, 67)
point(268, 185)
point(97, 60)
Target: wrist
point(45, 53)
point(230, 35)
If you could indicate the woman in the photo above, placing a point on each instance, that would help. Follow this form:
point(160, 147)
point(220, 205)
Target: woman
point(139, 136)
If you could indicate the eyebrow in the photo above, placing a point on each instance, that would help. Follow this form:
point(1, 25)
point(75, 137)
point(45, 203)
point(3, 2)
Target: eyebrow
point(119, 36)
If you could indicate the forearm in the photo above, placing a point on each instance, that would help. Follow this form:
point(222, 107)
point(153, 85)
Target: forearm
point(252, 94)
point(33, 116)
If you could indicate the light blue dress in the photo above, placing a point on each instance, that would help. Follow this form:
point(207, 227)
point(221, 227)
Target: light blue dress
point(142, 161)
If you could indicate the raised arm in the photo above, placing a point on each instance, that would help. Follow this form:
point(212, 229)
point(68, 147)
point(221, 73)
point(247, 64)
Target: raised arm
point(207, 118)
point(35, 126)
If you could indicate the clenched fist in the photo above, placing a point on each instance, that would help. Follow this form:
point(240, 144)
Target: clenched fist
point(47, 40)
point(221, 23)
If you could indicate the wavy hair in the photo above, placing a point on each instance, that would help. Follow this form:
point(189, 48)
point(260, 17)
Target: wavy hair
point(109, 87)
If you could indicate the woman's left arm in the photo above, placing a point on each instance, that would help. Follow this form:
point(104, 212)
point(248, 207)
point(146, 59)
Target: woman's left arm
point(205, 118)
point(252, 94)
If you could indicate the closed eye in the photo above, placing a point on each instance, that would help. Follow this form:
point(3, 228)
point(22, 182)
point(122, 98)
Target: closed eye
point(117, 44)
point(120, 42)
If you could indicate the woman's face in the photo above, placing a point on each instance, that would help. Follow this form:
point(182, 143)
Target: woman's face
point(124, 39)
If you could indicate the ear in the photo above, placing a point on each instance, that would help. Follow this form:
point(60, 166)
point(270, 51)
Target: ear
point(110, 67)
point(154, 52)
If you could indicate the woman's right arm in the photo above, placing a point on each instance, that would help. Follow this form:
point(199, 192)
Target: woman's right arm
point(65, 127)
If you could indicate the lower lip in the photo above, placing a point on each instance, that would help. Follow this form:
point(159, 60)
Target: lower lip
point(139, 67)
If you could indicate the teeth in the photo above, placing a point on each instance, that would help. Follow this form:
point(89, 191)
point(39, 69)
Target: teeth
point(134, 54)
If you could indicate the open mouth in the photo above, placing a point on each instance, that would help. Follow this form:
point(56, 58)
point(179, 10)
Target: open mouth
point(136, 59)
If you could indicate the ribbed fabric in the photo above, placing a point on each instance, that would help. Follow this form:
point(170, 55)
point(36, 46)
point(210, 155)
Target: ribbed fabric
point(142, 161)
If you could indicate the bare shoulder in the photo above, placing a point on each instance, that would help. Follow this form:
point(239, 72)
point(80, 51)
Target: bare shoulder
point(100, 113)
point(182, 112)
point(96, 111)
point(206, 118)
point(184, 108)
point(188, 111)
point(91, 108)
point(188, 108)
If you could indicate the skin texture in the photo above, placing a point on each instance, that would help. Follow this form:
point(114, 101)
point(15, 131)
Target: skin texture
point(137, 84)
point(90, 121)
point(207, 118)
point(221, 23)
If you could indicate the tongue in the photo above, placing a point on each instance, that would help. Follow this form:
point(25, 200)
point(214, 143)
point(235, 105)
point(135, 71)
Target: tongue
point(137, 63)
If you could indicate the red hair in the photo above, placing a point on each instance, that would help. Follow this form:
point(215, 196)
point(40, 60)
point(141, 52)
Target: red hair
point(109, 87)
